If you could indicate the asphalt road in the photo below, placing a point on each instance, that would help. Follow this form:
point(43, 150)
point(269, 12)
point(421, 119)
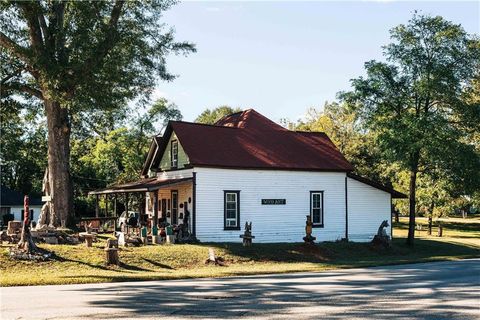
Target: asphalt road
point(439, 290)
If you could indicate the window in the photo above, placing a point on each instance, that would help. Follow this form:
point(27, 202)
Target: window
point(316, 208)
point(174, 153)
point(232, 210)
point(4, 210)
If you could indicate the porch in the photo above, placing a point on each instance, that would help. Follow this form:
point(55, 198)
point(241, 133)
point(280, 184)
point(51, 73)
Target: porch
point(158, 203)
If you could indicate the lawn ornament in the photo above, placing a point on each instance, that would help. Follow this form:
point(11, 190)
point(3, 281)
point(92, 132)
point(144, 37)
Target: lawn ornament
point(26, 248)
point(26, 242)
point(247, 235)
point(213, 259)
point(111, 252)
point(381, 238)
point(42, 218)
point(309, 239)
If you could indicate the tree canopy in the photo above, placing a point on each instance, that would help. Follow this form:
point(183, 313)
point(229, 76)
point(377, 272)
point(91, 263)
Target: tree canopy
point(83, 61)
point(210, 116)
point(414, 101)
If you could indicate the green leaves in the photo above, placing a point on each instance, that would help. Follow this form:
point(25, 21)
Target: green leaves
point(211, 116)
point(420, 104)
point(89, 55)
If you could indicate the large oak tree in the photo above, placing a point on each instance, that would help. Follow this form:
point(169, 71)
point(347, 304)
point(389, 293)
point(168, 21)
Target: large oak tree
point(80, 58)
point(415, 102)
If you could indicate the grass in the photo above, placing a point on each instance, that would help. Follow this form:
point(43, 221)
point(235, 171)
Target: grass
point(78, 264)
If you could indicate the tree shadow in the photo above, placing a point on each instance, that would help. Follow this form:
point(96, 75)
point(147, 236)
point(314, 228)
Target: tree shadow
point(158, 264)
point(423, 291)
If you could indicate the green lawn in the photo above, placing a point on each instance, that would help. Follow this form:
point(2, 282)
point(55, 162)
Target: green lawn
point(78, 264)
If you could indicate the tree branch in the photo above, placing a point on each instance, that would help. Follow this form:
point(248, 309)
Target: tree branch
point(44, 28)
point(11, 75)
point(30, 11)
point(20, 87)
point(17, 50)
point(108, 42)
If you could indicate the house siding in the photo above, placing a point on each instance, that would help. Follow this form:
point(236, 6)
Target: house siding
point(165, 163)
point(17, 212)
point(271, 223)
point(367, 208)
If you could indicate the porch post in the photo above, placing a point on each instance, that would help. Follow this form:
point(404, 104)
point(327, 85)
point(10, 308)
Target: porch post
point(96, 206)
point(115, 205)
point(126, 203)
point(106, 205)
point(155, 208)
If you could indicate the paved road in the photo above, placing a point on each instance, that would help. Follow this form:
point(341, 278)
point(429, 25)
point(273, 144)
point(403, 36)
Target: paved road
point(440, 290)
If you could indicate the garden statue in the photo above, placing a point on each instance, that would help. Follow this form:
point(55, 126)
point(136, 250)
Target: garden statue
point(184, 235)
point(308, 231)
point(382, 238)
point(42, 218)
point(247, 235)
point(111, 252)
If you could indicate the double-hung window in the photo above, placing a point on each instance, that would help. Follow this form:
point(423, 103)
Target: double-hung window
point(232, 210)
point(316, 208)
point(174, 153)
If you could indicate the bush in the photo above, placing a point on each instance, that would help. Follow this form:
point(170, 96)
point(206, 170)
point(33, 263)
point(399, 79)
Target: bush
point(7, 217)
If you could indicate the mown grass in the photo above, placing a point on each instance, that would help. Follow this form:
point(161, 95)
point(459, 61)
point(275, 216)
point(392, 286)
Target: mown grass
point(78, 264)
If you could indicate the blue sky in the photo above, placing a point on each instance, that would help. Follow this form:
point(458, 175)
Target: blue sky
point(281, 58)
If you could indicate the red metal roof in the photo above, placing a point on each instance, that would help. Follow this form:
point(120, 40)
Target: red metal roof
point(142, 185)
point(249, 140)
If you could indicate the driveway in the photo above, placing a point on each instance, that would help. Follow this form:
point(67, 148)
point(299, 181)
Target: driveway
point(438, 290)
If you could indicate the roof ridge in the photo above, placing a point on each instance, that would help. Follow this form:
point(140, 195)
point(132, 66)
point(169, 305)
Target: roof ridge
point(202, 124)
point(310, 132)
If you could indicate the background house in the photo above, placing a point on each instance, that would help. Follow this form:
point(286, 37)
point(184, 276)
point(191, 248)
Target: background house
point(11, 201)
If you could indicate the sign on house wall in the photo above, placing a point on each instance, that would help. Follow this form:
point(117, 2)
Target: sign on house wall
point(273, 201)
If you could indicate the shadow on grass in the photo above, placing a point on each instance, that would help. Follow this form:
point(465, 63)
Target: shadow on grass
point(125, 266)
point(158, 264)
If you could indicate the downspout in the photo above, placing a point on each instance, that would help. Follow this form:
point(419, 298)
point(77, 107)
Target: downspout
point(346, 209)
point(194, 204)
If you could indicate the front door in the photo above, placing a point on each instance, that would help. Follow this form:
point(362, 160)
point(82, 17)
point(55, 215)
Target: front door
point(174, 207)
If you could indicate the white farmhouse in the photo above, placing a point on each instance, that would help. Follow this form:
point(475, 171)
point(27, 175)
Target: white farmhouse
point(246, 168)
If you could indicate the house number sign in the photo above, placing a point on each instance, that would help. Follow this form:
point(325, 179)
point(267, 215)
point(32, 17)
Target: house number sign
point(274, 201)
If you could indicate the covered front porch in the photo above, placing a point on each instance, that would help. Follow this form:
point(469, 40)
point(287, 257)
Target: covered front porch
point(158, 203)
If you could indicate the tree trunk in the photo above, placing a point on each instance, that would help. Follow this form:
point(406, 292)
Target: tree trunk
point(430, 218)
point(61, 210)
point(412, 196)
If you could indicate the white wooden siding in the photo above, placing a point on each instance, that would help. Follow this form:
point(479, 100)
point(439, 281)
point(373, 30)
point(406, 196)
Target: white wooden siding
point(271, 223)
point(367, 208)
point(17, 212)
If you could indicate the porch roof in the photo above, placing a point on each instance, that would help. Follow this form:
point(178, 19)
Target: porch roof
point(142, 185)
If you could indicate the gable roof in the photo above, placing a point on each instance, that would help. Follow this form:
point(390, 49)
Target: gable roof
point(156, 140)
point(9, 197)
point(249, 140)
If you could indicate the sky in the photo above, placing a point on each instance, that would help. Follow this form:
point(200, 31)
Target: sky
point(282, 58)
